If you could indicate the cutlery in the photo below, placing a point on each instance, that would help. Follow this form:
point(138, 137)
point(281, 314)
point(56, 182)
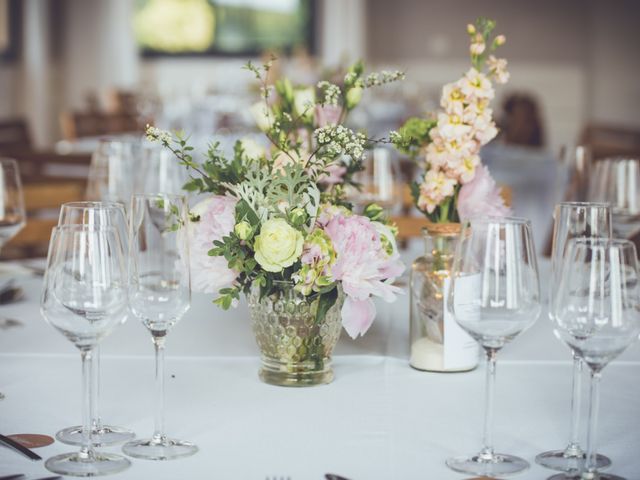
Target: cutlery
point(268, 478)
point(56, 477)
point(331, 476)
point(18, 476)
point(7, 442)
point(7, 323)
point(10, 293)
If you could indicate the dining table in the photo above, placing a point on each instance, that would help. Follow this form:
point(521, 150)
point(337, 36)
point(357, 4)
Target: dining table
point(379, 419)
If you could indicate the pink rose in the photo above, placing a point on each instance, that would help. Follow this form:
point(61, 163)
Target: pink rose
point(481, 197)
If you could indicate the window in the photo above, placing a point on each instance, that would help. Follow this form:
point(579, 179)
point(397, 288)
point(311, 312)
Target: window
point(222, 27)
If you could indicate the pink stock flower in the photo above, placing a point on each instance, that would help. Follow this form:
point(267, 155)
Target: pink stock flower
point(327, 114)
point(217, 219)
point(364, 268)
point(481, 197)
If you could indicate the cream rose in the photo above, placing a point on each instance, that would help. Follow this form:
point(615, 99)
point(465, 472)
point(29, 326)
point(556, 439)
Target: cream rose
point(278, 246)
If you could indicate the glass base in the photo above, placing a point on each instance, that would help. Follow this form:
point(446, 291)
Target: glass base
point(78, 465)
point(295, 374)
point(159, 449)
point(587, 476)
point(490, 465)
point(569, 462)
point(102, 437)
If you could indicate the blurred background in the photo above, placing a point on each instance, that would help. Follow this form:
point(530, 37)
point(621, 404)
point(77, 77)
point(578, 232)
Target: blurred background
point(73, 71)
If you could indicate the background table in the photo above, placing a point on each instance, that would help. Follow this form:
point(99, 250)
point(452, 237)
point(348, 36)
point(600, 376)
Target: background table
point(379, 419)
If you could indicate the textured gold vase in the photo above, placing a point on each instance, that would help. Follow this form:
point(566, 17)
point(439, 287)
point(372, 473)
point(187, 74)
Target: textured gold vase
point(295, 347)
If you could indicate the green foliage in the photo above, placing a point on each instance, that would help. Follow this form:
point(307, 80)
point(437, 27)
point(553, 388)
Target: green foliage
point(413, 135)
point(326, 300)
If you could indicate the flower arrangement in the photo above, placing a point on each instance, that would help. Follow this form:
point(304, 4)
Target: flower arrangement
point(280, 213)
point(455, 185)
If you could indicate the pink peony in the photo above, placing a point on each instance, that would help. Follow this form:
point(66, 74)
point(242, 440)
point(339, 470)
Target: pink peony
point(481, 197)
point(363, 267)
point(326, 114)
point(217, 219)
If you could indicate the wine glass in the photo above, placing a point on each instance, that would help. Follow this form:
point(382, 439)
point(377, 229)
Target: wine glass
point(596, 314)
point(379, 180)
point(84, 298)
point(577, 160)
point(159, 295)
point(573, 220)
point(112, 172)
point(12, 212)
point(617, 181)
point(494, 296)
point(96, 215)
point(159, 172)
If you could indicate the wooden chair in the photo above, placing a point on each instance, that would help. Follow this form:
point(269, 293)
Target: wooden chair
point(611, 141)
point(48, 181)
point(14, 135)
point(42, 202)
point(78, 125)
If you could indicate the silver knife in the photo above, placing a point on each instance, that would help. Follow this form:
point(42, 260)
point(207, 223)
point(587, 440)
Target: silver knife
point(7, 442)
point(18, 476)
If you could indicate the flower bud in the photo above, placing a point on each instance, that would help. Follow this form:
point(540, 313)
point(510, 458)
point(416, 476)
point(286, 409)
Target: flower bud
point(471, 29)
point(374, 211)
point(298, 216)
point(500, 40)
point(354, 95)
point(243, 230)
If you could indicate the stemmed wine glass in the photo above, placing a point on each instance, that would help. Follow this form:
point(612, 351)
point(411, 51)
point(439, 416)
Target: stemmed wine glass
point(12, 212)
point(84, 298)
point(616, 181)
point(573, 220)
point(112, 172)
point(96, 215)
point(159, 295)
point(494, 296)
point(596, 314)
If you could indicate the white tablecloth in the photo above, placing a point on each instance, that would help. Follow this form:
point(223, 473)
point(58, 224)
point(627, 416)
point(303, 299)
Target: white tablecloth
point(379, 419)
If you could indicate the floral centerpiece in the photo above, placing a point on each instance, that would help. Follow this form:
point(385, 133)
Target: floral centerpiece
point(277, 227)
point(453, 186)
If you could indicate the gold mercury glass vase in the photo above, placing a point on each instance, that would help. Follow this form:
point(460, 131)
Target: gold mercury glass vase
point(295, 347)
point(438, 344)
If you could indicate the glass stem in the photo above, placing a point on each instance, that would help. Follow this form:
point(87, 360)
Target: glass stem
point(158, 342)
point(591, 461)
point(86, 450)
point(490, 385)
point(95, 390)
point(573, 449)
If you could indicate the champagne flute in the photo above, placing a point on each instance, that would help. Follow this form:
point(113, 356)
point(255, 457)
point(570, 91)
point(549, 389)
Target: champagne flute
point(494, 296)
point(12, 212)
point(84, 298)
point(96, 215)
point(573, 220)
point(159, 295)
point(596, 314)
point(159, 172)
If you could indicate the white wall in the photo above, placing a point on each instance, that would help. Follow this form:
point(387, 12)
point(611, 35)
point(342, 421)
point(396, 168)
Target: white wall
point(614, 67)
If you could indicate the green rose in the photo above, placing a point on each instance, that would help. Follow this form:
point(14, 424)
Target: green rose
point(278, 246)
point(243, 230)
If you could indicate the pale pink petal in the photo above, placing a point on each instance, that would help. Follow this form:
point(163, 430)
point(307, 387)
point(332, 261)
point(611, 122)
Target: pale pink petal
point(357, 316)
